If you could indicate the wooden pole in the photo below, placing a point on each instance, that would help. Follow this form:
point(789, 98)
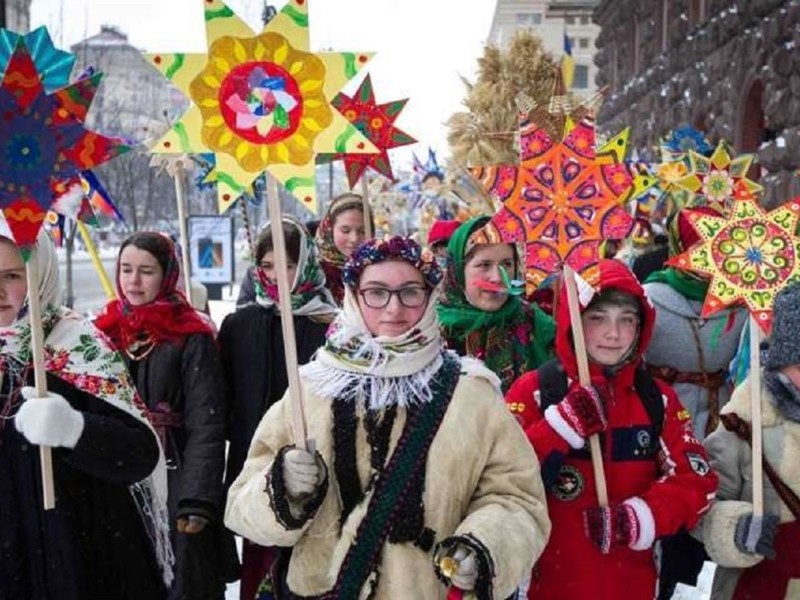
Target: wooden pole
point(108, 288)
point(39, 373)
point(585, 379)
point(287, 322)
point(180, 197)
point(365, 202)
point(755, 422)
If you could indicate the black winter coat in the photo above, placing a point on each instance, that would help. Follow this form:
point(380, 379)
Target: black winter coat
point(254, 362)
point(183, 381)
point(93, 544)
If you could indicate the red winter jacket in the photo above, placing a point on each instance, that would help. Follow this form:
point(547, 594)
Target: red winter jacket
point(668, 476)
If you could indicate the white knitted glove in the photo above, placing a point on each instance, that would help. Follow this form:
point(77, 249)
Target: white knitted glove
point(467, 573)
point(49, 421)
point(301, 473)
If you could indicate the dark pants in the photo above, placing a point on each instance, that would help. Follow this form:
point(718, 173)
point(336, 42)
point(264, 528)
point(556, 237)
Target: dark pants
point(682, 559)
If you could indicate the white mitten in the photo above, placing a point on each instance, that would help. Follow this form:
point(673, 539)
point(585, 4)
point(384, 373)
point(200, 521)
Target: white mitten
point(300, 473)
point(49, 421)
point(467, 573)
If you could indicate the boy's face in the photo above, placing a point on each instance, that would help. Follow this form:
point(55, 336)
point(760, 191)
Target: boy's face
point(609, 331)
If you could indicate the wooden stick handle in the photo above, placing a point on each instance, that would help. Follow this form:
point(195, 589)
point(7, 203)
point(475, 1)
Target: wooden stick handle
point(108, 288)
point(180, 198)
point(287, 320)
point(755, 423)
point(365, 202)
point(39, 373)
point(584, 378)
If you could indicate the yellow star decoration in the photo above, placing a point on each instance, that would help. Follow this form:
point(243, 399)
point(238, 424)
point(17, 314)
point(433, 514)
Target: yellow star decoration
point(720, 178)
point(261, 102)
point(750, 256)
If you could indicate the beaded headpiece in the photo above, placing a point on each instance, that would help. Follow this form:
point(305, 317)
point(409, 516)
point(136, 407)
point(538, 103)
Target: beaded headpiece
point(395, 248)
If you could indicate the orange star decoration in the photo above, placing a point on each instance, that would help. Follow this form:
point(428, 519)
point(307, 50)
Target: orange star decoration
point(562, 201)
point(261, 102)
point(750, 256)
point(719, 179)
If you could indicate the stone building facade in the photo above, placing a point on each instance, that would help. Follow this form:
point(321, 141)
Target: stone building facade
point(551, 21)
point(730, 68)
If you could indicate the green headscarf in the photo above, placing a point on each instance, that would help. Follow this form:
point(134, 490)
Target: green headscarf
point(515, 339)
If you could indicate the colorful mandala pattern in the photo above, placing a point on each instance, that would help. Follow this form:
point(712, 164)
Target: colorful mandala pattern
point(44, 145)
point(749, 256)
point(562, 201)
point(256, 111)
point(261, 102)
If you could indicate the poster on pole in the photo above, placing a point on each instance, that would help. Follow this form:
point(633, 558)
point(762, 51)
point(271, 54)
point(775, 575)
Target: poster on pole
point(211, 248)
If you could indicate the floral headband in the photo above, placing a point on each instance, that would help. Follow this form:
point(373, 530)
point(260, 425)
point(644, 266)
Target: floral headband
point(372, 252)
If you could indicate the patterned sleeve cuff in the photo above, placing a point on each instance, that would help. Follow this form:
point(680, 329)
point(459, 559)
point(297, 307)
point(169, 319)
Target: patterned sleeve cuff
point(483, 585)
point(647, 524)
point(562, 428)
point(293, 515)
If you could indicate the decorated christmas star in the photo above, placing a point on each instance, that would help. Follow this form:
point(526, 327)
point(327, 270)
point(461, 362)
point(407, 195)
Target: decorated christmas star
point(562, 201)
point(44, 144)
point(261, 102)
point(376, 122)
point(720, 178)
point(749, 256)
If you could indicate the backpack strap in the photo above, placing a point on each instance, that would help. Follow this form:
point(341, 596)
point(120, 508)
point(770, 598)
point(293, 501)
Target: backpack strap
point(650, 394)
point(552, 384)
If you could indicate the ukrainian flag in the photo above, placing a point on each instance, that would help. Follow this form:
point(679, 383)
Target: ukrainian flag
point(567, 64)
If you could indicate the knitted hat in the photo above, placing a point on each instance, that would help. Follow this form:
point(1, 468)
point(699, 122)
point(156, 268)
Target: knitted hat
point(441, 231)
point(784, 342)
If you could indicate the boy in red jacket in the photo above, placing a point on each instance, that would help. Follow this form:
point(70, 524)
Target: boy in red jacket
point(656, 471)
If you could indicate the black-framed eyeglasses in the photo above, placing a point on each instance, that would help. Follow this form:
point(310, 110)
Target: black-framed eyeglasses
point(410, 297)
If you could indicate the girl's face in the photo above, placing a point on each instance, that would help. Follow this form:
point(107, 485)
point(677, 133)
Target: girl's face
point(13, 282)
point(140, 275)
point(348, 231)
point(610, 331)
point(401, 287)
point(269, 267)
point(484, 265)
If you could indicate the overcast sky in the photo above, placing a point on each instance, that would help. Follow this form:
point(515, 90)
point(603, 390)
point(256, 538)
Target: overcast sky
point(422, 45)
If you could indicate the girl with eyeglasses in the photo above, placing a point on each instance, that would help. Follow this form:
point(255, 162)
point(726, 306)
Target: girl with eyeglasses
point(481, 317)
point(416, 459)
point(254, 362)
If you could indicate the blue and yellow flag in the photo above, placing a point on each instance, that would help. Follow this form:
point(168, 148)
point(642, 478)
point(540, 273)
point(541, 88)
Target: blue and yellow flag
point(567, 63)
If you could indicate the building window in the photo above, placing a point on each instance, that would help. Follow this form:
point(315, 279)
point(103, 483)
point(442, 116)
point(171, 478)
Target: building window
point(585, 20)
point(528, 19)
point(581, 79)
point(583, 42)
point(569, 20)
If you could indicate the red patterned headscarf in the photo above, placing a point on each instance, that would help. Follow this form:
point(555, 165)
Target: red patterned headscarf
point(168, 318)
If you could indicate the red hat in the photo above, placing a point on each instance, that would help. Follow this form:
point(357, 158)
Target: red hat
point(441, 231)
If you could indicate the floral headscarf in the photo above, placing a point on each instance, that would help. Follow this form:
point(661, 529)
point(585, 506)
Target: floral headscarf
point(389, 370)
point(512, 340)
point(328, 251)
point(168, 318)
point(77, 353)
point(310, 297)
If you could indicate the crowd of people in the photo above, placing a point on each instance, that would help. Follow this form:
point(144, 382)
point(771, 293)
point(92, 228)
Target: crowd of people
point(447, 440)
